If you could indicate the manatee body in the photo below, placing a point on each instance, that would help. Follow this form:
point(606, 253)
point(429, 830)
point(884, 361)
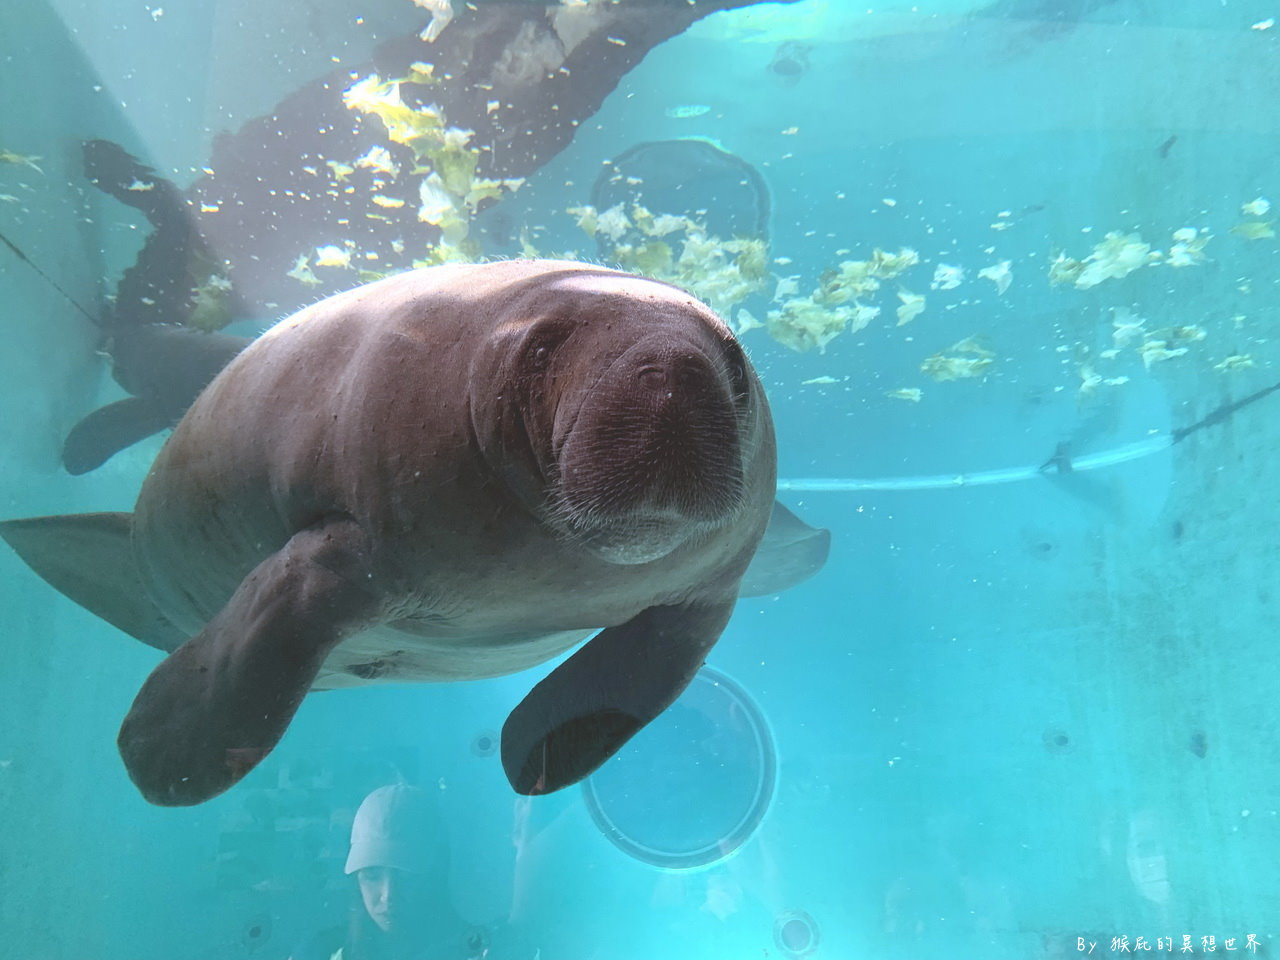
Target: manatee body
point(453, 473)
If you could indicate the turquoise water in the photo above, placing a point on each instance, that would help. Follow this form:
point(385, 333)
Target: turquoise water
point(1012, 711)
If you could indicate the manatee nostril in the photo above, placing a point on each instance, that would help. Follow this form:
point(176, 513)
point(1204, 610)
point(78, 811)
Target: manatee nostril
point(691, 377)
point(653, 377)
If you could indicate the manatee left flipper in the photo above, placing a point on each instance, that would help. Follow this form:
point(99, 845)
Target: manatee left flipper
point(578, 716)
point(790, 553)
point(216, 706)
point(88, 557)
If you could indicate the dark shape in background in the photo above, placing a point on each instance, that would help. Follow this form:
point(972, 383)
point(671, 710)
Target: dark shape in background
point(1046, 19)
point(790, 61)
point(521, 76)
point(685, 177)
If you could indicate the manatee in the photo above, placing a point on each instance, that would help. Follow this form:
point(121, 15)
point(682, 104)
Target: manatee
point(454, 473)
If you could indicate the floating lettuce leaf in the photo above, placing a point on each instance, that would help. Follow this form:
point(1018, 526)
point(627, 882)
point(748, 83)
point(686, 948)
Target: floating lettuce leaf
point(423, 73)
point(1126, 325)
point(613, 223)
point(953, 365)
point(1254, 230)
point(379, 160)
point(746, 322)
point(302, 271)
point(340, 170)
point(1188, 247)
point(802, 324)
point(886, 266)
point(441, 15)
point(1064, 269)
point(211, 310)
point(20, 159)
point(1118, 255)
point(786, 288)
point(482, 189)
point(912, 306)
point(852, 278)
point(1237, 361)
point(421, 128)
point(454, 160)
point(861, 316)
point(588, 218)
point(333, 256)
point(751, 257)
point(946, 277)
point(942, 368)
point(999, 274)
point(437, 204)
point(651, 259)
point(1153, 351)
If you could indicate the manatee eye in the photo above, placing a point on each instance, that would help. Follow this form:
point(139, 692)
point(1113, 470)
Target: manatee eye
point(539, 354)
point(543, 340)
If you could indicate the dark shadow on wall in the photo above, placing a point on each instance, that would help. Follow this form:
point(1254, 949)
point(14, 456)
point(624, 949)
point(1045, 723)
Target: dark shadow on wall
point(345, 181)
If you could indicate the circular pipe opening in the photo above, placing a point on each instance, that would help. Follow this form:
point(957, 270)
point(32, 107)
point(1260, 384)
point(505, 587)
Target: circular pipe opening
point(694, 785)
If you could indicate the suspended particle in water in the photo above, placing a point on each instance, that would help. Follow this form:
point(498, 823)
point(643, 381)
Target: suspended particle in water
point(1057, 741)
point(256, 932)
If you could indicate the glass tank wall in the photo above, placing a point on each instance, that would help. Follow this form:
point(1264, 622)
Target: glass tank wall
point(1007, 273)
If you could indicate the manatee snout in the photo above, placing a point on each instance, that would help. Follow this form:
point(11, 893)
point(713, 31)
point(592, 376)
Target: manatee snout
point(657, 439)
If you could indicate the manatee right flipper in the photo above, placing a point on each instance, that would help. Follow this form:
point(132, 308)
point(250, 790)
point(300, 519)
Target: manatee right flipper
point(108, 430)
point(216, 706)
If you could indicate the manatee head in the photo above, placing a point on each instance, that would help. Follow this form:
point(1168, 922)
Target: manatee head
point(639, 409)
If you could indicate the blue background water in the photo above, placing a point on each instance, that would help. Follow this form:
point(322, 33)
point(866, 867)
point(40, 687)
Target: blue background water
point(917, 689)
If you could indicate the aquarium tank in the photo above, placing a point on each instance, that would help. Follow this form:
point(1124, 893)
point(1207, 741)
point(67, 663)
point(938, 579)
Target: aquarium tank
point(998, 679)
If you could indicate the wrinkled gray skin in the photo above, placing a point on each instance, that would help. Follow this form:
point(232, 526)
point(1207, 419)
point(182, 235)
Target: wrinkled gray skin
point(453, 473)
